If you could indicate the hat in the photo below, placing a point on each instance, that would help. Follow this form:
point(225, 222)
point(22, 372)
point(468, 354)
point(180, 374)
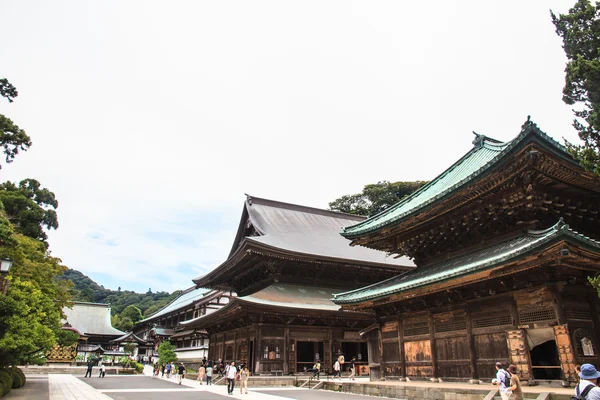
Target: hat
point(588, 371)
point(512, 369)
point(499, 365)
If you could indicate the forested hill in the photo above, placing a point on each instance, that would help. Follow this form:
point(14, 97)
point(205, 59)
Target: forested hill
point(148, 303)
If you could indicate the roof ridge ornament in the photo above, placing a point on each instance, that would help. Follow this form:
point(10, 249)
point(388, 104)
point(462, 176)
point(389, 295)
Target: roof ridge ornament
point(528, 123)
point(561, 225)
point(479, 139)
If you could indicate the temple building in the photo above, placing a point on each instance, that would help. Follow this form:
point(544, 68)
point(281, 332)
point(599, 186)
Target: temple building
point(503, 243)
point(166, 324)
point(285, 264)
point(93, 324)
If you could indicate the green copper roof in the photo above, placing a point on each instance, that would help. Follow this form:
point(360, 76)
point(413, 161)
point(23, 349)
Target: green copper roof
point(466, 264)
point(484, 155)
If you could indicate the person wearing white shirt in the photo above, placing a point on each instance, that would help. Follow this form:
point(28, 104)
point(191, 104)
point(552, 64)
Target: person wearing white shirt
point(231, 373)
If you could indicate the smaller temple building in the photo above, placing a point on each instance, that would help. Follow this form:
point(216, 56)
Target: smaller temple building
point(168, 324)
point(92, 321)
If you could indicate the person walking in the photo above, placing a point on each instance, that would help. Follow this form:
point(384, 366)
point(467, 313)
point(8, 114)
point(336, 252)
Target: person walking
point(162, 368)
point(201, 373)
point(102, 371)
point(588, 379)
point(502, 379)
point(337, 369)
point(169, 370)
point(244, 374)
point(209, 372)
point(231, 373)
point(181, 371)
point(90, 365)
point(352, 368)
point(316, 369)
point(515, 383)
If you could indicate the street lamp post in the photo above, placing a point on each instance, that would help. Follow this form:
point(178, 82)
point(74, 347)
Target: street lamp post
point(5, 265)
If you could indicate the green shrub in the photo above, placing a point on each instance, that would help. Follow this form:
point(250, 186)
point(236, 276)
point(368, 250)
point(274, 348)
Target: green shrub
point(16, 378)
point(22, 374)
point(138, 367)
point(6, 381)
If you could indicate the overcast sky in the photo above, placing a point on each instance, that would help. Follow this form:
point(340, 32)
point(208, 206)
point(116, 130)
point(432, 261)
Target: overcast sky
point(151, 119)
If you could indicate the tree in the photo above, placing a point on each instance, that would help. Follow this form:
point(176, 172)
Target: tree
point(31, 311)
point(580, 32)
point(133, 313)
point(30, 207)
point(375, 197)
point(12, 138)
point(166, 352)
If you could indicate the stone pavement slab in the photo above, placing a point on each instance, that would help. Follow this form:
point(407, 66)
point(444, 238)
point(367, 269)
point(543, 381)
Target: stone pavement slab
point(36, 388)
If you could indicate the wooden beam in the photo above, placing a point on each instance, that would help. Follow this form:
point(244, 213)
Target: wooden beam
point(471, 341)
point(401, 346)
point(434, 363)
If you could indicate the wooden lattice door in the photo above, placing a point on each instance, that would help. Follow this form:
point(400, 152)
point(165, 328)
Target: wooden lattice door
point(565, 351)
point(518, 351)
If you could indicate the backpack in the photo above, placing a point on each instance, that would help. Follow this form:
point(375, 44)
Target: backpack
point(582, 395)
point(506, 378)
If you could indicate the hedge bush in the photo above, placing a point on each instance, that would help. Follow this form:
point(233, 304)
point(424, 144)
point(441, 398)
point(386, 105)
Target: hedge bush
point(21, 374)
point(16, 378)
point(6, 382)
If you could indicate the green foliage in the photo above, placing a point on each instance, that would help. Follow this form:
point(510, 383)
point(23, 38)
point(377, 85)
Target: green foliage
point(166, 352)
point(139, 368)
point(30, 313)
point(580, 32)
point(65, 337)
point(12, 138)
point(85, 289)
point(17, 382)
point(129, 347)
point(375, 198)
point(132, 312)
point(29, 207)
point(21, 374)
point(6, 381)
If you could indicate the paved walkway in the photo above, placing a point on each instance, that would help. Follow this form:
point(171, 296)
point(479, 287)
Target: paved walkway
point(70, 387)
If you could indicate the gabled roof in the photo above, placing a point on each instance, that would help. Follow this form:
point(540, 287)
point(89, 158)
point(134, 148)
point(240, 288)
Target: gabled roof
point(303, 231)
point(467, 264)
point(187, 298)
point(485, 154)
point(93, 319)
point(129, 337)
point(279, 296)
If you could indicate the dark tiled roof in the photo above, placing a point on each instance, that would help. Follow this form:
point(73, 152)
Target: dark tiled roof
point(466, 264)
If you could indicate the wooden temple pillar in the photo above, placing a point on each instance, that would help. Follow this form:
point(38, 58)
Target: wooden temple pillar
point(471, 342)
point(434, 363)
point(562, 336)
point(286, 350)
point(258, 348)
point(592, 299)
point(401, 347)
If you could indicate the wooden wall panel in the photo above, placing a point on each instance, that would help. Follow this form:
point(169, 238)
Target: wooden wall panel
point(418, 351)
point(519, 352)
point(489, 349)
point(452, 349)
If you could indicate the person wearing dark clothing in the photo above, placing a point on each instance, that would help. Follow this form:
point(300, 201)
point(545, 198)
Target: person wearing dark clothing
point(90, 365)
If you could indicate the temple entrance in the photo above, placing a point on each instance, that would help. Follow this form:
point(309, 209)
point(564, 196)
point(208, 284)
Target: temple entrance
point(545, 363)
point(229, 354)
point(307, 353)
point(355, 349)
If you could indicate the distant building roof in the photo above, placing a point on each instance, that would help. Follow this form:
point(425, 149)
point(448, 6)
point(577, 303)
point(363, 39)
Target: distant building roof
point(467, 264)
point(91, 319)
point(187, 298)
point(129, 337)
point(485, 154)
point(303, 231)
